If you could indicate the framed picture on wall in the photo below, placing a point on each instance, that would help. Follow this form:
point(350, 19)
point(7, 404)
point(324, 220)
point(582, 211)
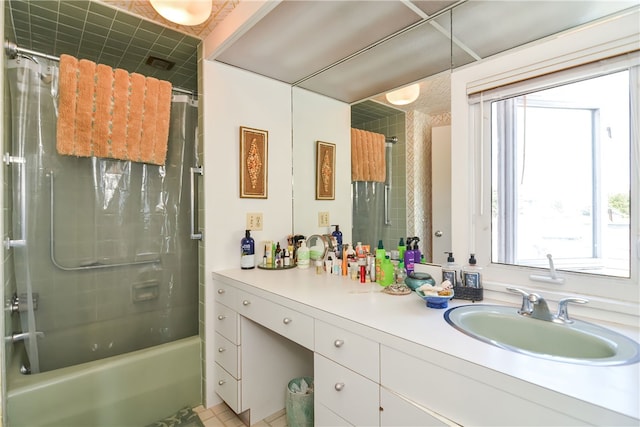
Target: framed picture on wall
point(325, 171)
point(253, 163)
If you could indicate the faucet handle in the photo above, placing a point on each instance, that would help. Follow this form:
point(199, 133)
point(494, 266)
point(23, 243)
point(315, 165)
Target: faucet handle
point(526, 307)
point(563, 312)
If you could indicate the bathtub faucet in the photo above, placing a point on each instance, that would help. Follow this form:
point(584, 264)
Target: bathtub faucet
point(22, 336)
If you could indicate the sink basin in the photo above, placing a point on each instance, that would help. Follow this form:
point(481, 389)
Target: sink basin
point(579, 342)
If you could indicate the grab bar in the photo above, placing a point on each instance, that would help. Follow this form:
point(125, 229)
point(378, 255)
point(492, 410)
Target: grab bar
point(93, 266)
point(194, 204)
point(14, 243)
point(387, 219)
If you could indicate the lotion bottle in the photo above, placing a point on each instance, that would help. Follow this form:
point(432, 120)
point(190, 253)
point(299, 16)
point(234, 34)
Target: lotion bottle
point(248, 250)
point(303, 255)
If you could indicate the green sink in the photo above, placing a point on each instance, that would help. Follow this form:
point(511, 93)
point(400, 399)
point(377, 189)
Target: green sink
point(578, 342)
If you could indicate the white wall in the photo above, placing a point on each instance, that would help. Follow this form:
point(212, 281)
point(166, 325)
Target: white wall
point(234, 98)
point(319, 118)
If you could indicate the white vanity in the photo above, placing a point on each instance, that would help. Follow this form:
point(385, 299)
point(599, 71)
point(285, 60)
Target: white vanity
point(389, 360)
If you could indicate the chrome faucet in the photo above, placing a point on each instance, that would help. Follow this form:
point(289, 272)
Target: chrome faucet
point(536, 307)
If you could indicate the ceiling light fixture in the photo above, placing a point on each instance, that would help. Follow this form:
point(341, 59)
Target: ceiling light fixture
point(192, 12)
point(404, 96)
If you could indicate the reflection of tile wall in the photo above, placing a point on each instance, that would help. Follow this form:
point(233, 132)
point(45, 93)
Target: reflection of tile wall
point(393, 125)
point(419, 175)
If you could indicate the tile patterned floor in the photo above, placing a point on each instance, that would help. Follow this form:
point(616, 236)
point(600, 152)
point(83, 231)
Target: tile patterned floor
point(222, 416)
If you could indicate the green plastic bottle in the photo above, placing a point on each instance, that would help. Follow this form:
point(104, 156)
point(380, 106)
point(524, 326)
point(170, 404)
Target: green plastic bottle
point(402, 248)
point(387, 272)
point(380, 256)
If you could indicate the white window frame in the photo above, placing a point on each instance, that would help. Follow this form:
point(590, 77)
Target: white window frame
point(611, 298)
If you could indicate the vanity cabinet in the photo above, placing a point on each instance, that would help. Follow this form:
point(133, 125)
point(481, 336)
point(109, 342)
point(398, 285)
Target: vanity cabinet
point(346, 368)
point(259, 347)
point(370, 368)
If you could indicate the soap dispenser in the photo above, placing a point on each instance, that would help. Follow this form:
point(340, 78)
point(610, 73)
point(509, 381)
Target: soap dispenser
point(247, 248)
point(471, 276)
point(450, 271)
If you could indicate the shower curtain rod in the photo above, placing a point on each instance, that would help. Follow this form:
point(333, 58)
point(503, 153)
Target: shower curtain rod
point(12, 50)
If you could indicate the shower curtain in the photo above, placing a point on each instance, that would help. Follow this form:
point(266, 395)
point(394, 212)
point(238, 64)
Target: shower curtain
point(104, 262)
point(369, 217)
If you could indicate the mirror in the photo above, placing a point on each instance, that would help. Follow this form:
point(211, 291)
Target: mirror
point(437, 46)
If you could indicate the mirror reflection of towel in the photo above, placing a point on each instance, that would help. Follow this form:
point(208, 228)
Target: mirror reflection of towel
point(111, 113)
point(367, 156)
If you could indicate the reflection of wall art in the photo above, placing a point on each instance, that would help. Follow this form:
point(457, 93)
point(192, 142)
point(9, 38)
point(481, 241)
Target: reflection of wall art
point(325, 171)
point(253, 163)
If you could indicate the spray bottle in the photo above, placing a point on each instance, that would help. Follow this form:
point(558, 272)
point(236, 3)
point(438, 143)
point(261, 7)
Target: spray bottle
point(380, 256)
point(412, 255)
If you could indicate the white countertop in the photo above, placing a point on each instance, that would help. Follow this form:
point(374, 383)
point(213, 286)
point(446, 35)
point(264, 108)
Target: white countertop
point(407, 318)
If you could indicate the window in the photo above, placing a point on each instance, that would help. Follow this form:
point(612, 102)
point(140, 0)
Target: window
point(561, 176)
point(568, 180)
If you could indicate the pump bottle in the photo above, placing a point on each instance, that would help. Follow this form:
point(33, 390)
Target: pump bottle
point(303, 255)
point(338, 236)
point(247, 247)
point(451, 270)
point(471, 275)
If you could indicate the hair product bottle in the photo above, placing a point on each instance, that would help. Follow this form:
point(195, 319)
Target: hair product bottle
point(380, 255)
point(338, 235)
point(248, 250)
point(303, 255)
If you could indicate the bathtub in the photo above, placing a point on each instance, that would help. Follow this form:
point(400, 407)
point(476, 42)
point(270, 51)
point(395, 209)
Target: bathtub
point(132, 389)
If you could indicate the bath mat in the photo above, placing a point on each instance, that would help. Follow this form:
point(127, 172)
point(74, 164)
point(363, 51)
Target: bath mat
point(185, 417)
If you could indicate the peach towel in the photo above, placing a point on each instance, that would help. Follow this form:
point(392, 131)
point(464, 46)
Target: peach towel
point(111, 113)
point(367, 156)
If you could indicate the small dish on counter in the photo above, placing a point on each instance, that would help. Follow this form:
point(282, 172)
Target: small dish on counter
point(436, 301)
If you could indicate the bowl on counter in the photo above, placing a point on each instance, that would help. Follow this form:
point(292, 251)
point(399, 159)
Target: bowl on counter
point(415, 280)
point(433, 301)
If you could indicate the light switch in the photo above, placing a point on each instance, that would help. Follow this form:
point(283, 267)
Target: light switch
point(323, 219)
point(254, 221)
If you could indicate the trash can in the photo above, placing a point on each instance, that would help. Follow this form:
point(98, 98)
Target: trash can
point(299, 402)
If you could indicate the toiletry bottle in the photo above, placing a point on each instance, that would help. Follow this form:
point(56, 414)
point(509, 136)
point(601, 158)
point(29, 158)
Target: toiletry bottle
point(338, 235)
point(248, 257)
point(264, 258)
point(471, 275)
point(380, 256)
point(345, 262)
point(361, 254)
point(386, 272)
point(303, 255)
point(287, 258)
point(400, 273)
point(412, 254)
point(451, 270)
point(402, 248)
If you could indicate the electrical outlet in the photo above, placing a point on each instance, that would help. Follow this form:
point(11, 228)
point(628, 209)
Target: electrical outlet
point(323, 219)
point(254, 221)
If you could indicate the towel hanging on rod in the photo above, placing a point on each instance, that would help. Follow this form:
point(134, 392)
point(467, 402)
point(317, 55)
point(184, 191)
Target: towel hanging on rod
point(111, 113)
point(367, 156)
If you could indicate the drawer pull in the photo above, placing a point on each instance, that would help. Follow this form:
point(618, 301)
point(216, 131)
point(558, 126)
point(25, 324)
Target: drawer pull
point(221, 350)
point(339, 386)
point(246, 302)
point(286, 320)
point(338, 343)
point(221, 382)
point(221, 317)
point(221, 291)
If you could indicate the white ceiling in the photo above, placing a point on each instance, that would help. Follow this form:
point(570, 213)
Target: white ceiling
point(355, 50)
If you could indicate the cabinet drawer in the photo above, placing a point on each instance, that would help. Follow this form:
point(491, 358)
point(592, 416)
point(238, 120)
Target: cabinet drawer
point(227, 355)
point(227, 323)
point(433, 386)
point(323, 416)
point(348, 349)
point(350, 395)
point(228, 388)
point(225, 294)
point(289, 323)
point(396, 411)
